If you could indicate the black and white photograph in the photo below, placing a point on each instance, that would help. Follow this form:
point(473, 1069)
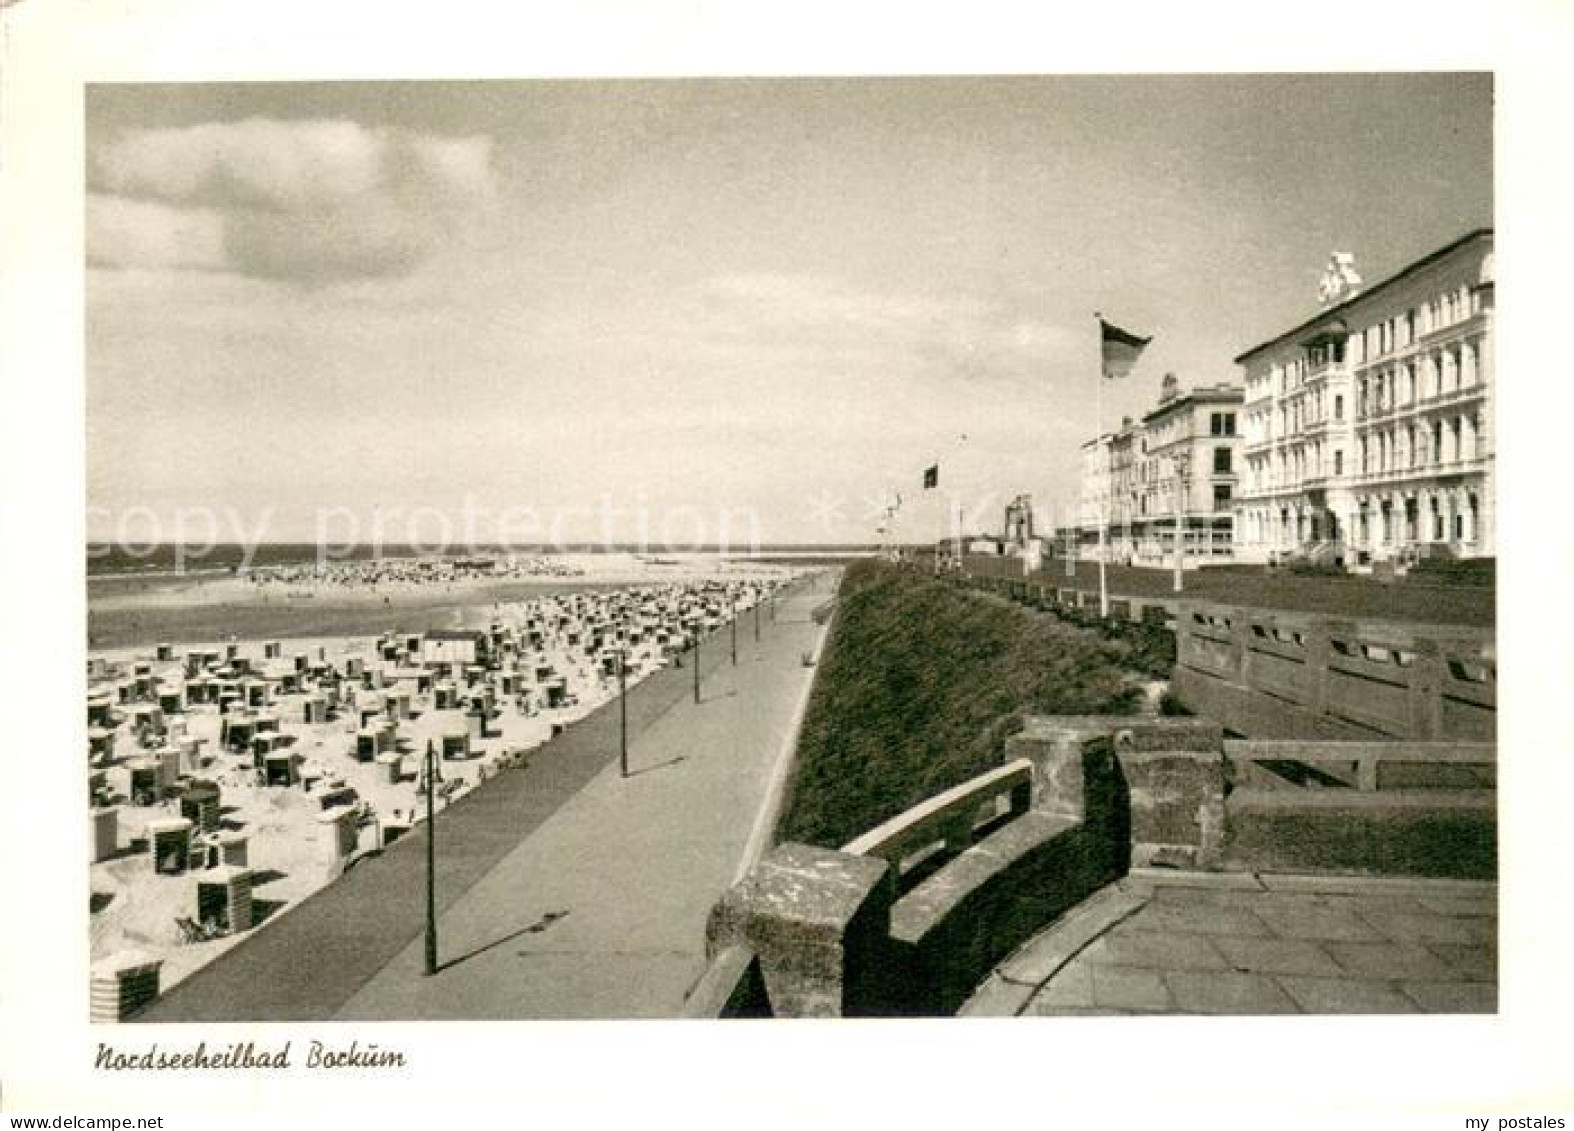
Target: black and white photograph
point(731, 547)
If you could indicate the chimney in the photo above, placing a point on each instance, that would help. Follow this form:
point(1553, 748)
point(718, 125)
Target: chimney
point(1168, 388)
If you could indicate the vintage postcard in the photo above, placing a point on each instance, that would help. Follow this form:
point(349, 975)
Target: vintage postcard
point(697, 547)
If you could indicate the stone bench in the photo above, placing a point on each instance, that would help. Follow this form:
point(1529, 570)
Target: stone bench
point(951, 929)
point(949, 822)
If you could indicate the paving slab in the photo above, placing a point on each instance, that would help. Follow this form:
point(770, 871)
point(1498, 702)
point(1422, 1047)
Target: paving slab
point(1155, 951)
point(1468, 963)
point(1453, 997)
point(1071, 988)
point(1310, 944)
point(1125, 987)
point(1346, 995)
point(1317, 919)
point(1277, 956)
point(1428, 926)
point(1387, 960)
point(1215, 992)
point(1181, 918)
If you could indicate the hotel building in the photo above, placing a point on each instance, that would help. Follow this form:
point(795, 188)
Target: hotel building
point(1176, 469)
point(1368, 428)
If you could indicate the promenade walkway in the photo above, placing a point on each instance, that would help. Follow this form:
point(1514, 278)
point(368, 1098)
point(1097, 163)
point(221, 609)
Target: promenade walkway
point(565, 889)
point(1238, 943)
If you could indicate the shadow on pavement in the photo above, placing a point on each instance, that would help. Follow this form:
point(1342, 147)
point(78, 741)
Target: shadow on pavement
point(535, 928)
point(657, 766)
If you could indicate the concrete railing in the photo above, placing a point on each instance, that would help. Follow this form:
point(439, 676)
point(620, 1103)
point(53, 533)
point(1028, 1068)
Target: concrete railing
point(1160, 611)
point(1368, 767)
point(1415, 808)
point(950, 822)
point(1282, 675)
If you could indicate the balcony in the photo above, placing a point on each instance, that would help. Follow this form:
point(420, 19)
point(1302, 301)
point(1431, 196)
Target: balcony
point(1474, 321)
point(1423, 470)
point(1461, 394)
point(1323, 371)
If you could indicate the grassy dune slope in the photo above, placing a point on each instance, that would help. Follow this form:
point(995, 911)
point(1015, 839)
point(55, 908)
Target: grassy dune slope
point(921, 684)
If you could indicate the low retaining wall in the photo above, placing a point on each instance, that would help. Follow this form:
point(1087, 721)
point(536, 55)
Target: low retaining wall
point(1412, 808)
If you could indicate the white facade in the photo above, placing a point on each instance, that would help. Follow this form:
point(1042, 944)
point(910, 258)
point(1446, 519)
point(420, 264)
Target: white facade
point(1368, 429)
point(1181, 459)
point(1093, 492)
point(1187, 465)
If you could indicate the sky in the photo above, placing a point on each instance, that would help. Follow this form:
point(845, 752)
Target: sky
point(702, 310)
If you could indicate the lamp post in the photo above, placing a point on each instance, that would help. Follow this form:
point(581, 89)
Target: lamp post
point(623, 713)
point(735, 630)
point(431, 860)
point(1182, 469)
point(696, 663)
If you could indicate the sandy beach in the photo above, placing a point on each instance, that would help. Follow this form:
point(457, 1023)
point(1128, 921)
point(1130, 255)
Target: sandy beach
point(141, 609)
point(313, 738)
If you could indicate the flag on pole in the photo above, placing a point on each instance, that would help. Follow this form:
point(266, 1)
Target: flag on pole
point(1121, 349)
point(932, 477)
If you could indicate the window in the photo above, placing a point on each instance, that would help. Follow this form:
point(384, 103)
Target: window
point(1221, 461)
point(1222, 424)
point(1338, 461)
point(1221, 496)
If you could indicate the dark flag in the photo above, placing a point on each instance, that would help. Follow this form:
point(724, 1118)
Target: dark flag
point(932, 477)
point(1121, 349)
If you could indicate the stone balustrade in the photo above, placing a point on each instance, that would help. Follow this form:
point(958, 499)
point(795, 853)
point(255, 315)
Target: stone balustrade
point(949, 822)
point(1284, 675)
point(1414, 808)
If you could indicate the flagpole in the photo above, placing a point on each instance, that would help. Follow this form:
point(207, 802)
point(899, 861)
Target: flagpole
point(1102, 473)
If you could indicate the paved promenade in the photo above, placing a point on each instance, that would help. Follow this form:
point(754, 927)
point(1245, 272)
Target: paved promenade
point(564, 889)
point(1159, 943)
point(601, 911)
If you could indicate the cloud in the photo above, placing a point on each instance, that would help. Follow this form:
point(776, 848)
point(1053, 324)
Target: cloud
point(123, 232)
point(310, 201)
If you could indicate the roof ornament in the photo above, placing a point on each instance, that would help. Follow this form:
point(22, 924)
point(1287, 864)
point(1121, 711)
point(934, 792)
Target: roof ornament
point(1340, 280)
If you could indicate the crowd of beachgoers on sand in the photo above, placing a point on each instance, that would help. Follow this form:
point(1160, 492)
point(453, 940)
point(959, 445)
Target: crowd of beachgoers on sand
point(229, 780)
